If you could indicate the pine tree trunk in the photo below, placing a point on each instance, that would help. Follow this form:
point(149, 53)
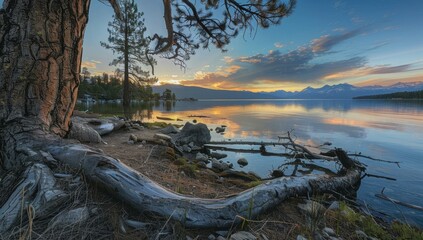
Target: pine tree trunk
point(126, 93)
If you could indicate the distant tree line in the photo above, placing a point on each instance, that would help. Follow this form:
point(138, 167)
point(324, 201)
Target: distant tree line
point(397, 95)
point(107, 88)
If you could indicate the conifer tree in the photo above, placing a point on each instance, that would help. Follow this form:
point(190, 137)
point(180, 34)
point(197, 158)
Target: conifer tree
point(128, 42)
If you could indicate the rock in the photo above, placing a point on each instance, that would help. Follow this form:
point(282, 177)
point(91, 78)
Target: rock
point(185, 148)
point(222, 233)
point(300, 237)
point(242, 162)
point(163, 136)
point(219, 166)
point(312, 208)
point(231, 165)
point(277, 173)
point(242, 235)
point(318, 236)
point(211, 237)
point(84, 133)
point(131, 142)
point(132, 137)
point(329, 231)
point(220, 238)
point(219, 129)
point(202, 157)
point(361, 235)
point(202, 164)
point(191, 145)
point(170, 129)
point(218, 155)
point(334, 205)
point(199, 134)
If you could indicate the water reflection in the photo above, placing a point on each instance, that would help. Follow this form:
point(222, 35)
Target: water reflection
point(389, 130)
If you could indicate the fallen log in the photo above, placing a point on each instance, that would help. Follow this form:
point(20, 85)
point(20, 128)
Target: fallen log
point(147, 196)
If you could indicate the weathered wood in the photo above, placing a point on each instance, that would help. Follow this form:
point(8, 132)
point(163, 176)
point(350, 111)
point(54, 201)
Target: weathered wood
point(36, 192)
point(146, 196)
point(284, 144)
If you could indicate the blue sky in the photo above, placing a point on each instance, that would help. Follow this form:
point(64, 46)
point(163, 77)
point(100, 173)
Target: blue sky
point(373, 42)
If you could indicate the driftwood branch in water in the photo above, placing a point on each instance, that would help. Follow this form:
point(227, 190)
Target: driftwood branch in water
point(284, 144)
point(383, 196)
point(288, 155)
point(374, 159)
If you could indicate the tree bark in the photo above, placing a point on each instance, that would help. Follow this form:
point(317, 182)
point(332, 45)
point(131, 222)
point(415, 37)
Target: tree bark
point(40, 60)
point(126, 94)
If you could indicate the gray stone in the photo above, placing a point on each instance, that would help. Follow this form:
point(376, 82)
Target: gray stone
point(329, 231)
point(300, 237)
point(131, 142)
point(242, 235)
point(202, 164)
point(185, 148)
point(312, 208)
point(220, 167)
point(218, 155)
point(170, 129)
point(132, 137)
point(211, 237)
point(222, 233)
point(220, 238)
point(201, 157)
point(191, 145)
point(361, 235)
point(163, 136)
point(199, 134)
point(334, 205)
point(242, 162)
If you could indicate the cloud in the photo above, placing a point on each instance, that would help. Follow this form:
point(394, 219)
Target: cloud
point(88, 64)
point(279, 45)
point(302, 66)
point(326, 42)
point(95, 61)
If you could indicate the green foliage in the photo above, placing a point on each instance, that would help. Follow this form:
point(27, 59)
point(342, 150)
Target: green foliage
point(397, 95)
point(189, 169)
point(403, 231)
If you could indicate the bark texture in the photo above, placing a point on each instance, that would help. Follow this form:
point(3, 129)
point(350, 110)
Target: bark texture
point(40, 59)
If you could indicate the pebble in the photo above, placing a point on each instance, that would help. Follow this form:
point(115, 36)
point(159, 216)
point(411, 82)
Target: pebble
point(329, 231)
point(242, 235)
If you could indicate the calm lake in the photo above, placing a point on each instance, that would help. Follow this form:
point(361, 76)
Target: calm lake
point(389, 130)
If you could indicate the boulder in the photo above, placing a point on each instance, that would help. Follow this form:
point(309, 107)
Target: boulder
point(312, 208)
point(170, 129)
point(242, 162)
point(202, 157)
point(199, 134)
point(219, 166)
point(218, 155)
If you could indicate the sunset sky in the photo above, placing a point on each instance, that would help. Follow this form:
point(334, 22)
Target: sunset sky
point(371, 42)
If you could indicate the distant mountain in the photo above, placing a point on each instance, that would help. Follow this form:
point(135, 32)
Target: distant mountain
point(205, 93)
point(396, 95)
point(339, 91)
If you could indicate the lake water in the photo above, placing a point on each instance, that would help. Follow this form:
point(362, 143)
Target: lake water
point(389, 130)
